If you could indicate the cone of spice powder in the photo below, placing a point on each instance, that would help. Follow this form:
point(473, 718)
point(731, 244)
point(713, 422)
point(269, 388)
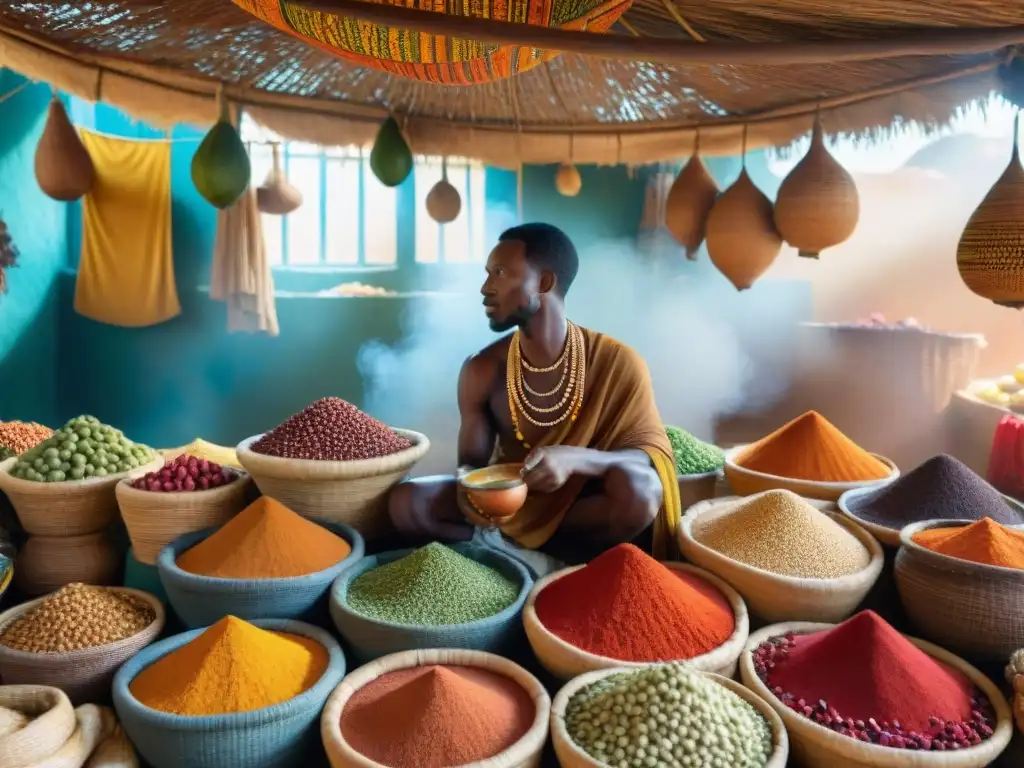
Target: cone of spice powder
point(862, 679)
point(265, 541)
point(986, 542)
point(435, 716)
point(942, 488)
point(625, 605)
point(811, 448)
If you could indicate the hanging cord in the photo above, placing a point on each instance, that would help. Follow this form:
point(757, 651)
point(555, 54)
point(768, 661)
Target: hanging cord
point(15, 91)
point(519, 193)
point(743, 150)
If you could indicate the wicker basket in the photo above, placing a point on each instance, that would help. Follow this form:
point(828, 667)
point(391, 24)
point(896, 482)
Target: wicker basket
point(890, 537)
point(971, 608)
point(51, 723)
point(815, 746)
point(571, 756)
point(697, 488)
point(777, 598)
point(747, 482)
point(72, 508)
point(154, 520)
point(369, 639)
point(281, 736)
point(47, 563)
point(83, 675)
point(525, 753)
point(350, 492)
point(200, 601)
point(565, 661)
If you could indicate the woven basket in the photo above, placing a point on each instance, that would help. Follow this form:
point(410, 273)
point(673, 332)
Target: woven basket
point(47, 563)
point(281, 736)
point(72, 508)
point(815, 746)
point(776, 598)
point(971, 608)
point(83, 675)
point(747, 482)
point(740, 232)
point(890, 537)
point(350, 492)
point(51, 723)
point(200, 601)
point(154, 520)
point(697, 488)
point(525, 753)
point(370, 639)
point(571, 756)
point(565, 661)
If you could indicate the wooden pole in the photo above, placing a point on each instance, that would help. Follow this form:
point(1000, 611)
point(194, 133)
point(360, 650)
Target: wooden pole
point(945, 41)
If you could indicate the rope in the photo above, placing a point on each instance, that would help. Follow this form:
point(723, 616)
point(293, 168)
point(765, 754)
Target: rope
point(682, 22)
point(14, 91)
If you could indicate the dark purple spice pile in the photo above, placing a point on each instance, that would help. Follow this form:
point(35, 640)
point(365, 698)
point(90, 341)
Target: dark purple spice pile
point(331, 429)
point(941, 488)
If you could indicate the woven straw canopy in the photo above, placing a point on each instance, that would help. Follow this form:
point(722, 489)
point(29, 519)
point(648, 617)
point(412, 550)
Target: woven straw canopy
point(635, 94)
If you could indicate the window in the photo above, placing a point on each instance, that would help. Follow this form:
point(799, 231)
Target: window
point(349, 219)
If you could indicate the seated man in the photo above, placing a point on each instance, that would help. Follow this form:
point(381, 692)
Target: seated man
point(574, 405)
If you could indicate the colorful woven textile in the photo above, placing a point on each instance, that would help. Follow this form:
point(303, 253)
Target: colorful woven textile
point(435, 58)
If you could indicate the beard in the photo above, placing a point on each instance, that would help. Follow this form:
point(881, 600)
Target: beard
point(518, 319)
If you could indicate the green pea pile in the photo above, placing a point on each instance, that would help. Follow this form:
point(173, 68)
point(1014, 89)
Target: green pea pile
point(693, 456)
point(434, 585)
point(667, 715)
point(80, 449)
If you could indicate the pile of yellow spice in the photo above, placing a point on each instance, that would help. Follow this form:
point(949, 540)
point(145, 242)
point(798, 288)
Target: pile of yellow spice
point(78, 616)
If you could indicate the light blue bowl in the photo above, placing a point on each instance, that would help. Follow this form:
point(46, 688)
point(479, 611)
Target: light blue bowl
point(281, 736)
point(370, 639)
point(200, 601)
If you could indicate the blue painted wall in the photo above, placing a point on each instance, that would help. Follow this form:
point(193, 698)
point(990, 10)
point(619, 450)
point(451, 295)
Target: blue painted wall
point(29, 311)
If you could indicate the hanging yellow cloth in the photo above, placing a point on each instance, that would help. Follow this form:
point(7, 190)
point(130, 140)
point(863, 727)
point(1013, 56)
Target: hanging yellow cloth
point(126, 273)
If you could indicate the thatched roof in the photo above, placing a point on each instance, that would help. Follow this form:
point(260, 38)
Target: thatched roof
point(164, 61)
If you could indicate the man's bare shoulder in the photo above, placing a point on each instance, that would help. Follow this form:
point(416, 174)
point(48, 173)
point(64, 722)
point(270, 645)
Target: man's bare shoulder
point(487, 359)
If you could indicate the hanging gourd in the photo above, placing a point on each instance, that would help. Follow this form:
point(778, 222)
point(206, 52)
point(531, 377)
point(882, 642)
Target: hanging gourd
point(443, 59)
point(567, 180)
point(990, 254)
point(443, 200)
point(277, 196)
point(64, 169)
point(8, 255)
point(689, 202)
point(741, 235)
point(817, 206)
point(221, 170)
point(390, 159)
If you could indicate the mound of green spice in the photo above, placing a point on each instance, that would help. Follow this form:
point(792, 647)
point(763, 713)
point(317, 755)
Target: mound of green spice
point(434, 585)
point(667, 714)
point(693, 456)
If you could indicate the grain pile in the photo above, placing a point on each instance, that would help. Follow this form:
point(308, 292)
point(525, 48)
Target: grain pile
point(434, 585)
point(779, 532)
point(16, 437)
point(76, 617)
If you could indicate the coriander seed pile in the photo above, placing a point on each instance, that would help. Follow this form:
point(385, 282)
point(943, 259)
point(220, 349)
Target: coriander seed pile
point(667, 715)
point(75, 617)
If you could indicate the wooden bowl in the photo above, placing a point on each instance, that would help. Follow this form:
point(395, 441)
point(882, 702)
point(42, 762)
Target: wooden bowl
point(747, 482)
point(498, 504)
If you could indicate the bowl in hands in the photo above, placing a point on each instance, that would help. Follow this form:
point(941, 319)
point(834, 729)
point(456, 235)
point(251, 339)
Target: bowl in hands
point(495, 493)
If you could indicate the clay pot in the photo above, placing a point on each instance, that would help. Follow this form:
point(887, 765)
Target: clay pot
point(741, 234)
point(277, 196)
point(568, 181)
point(443, 200)
point(64, 169)
point(688, 204)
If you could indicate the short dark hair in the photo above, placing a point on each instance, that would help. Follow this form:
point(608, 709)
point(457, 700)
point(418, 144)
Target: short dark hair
point(548, 248)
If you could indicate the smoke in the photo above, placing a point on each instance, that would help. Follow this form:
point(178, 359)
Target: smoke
point(696, 333)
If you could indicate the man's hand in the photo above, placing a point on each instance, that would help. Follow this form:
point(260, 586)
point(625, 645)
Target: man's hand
point(548, 468)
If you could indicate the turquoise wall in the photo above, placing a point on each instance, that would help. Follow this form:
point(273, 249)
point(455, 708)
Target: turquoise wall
point(29, 311)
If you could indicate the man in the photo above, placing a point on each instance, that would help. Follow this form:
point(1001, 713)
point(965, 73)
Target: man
point(576, 406)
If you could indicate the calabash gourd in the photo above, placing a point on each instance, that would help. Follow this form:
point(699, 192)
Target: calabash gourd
point(817, 206)
point(688, 204)
point(277, 196)
point(64, 169)
point(443, 200)
point(567, 180)
point(741, 235)
point(391, 159)
point(221, 170)
point(990, 254)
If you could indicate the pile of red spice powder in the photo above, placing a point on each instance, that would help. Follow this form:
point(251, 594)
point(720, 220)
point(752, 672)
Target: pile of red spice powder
point(436, 716)
point(863, 679)
point(625, 605)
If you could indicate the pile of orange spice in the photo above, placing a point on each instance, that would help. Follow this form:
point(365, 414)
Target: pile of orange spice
point(985, 541)
point(265, 541)
point(811, 448)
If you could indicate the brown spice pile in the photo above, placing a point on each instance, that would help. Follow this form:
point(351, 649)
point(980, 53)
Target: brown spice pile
point(76, 617)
